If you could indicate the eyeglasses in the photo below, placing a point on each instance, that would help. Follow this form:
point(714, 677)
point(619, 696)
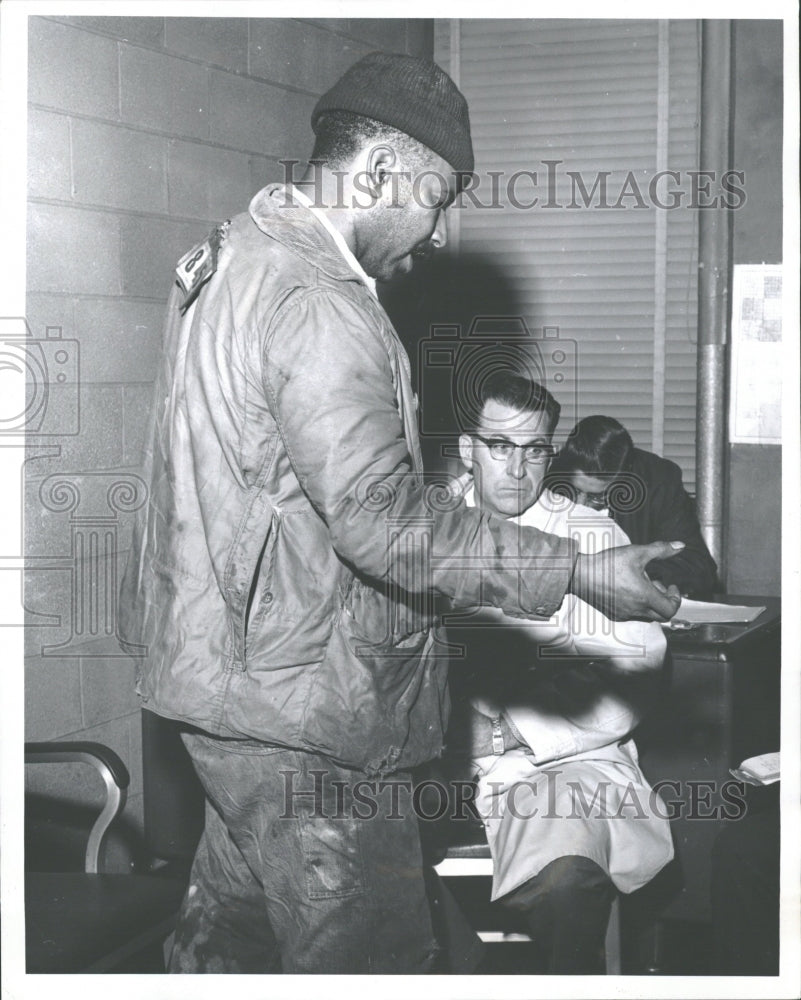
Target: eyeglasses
point(502, 450)
point(598, 501)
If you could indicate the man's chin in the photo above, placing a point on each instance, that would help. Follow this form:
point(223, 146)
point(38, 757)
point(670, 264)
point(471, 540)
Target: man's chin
point(509, 507)
point(397, 269)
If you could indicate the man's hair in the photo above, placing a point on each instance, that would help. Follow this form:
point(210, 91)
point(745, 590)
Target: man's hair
point(342, 134)
point(516, 391)
point(597, 446)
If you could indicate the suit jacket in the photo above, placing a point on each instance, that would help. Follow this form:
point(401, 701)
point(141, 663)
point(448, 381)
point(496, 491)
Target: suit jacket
point(656, 507)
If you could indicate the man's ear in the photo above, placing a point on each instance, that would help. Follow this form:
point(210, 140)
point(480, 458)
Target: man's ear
point(466, 450)
point(381, 161)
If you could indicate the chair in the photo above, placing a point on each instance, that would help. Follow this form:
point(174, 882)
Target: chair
point(90, 921)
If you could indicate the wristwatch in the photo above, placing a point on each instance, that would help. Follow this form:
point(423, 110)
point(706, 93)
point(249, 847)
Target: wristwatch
point(497, 736)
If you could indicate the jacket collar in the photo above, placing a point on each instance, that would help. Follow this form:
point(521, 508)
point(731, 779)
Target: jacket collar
point(283, 218)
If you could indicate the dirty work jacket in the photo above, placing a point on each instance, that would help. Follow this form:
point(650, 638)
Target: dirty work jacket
point(283, 569)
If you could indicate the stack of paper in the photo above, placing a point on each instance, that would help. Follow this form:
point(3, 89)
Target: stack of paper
point(703, 612)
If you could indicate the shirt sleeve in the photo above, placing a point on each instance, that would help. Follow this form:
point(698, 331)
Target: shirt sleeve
point(567, 707)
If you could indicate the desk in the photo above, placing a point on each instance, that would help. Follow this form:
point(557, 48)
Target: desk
point(720, 706)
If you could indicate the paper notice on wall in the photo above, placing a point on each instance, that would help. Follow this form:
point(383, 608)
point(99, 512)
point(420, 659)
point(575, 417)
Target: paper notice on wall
point(756, 340)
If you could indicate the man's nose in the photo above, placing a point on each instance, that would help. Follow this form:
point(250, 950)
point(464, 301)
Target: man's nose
point(517, 464)
point(440, 235)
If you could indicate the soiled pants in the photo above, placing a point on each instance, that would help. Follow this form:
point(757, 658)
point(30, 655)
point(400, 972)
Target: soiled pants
point(289, 879)
point(566, 907)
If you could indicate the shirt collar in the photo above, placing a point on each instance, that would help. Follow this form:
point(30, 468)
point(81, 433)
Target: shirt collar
point(337, 237)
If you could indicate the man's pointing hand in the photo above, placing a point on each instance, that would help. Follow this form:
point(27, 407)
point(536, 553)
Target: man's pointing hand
point(615, 582)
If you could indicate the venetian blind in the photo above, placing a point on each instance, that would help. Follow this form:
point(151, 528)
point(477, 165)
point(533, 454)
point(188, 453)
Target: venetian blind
point(583, 104)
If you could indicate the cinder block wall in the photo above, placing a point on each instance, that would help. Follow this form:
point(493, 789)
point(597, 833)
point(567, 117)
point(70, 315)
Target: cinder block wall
point(143, 132)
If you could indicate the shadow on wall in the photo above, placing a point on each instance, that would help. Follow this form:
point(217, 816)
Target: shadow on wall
point(459, 319)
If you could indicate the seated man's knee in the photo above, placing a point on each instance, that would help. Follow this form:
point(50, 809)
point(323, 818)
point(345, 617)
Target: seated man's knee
point(561, 883)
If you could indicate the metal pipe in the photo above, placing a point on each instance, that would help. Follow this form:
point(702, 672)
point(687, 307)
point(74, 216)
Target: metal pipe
point(714, 258)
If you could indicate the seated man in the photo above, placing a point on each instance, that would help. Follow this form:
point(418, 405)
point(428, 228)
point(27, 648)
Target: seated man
point(600, 468)
point(568, 813)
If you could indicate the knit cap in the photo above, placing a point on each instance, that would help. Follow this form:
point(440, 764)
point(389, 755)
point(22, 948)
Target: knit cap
point(410, 94)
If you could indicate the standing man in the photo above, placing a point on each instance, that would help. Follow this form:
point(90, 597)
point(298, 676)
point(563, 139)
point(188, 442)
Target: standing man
point(281, 573)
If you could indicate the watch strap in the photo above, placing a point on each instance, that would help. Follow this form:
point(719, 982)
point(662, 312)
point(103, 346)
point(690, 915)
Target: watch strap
point(497, 737)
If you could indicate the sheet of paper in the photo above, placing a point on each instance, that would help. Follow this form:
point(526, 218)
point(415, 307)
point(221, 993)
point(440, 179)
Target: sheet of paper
point(703, 612)
point(756, 354)
point(762, 770)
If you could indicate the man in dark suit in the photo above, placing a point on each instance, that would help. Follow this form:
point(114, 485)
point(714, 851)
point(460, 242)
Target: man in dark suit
point(600, 468)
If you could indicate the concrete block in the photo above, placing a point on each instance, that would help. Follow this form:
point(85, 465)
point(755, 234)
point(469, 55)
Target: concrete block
point(135, 478)
point(265, 171)
point(137, 403)
point(71, 69)
point(150, 249)
point(388, 33)
point(49, 173)
point(120, 339)
point(98, 445)
point(146, 30)
point(42, 311)
point(46, 533)
point(73, 250)
point(300, 54)
point(163, 92)
point(339, 56)
point(218, 41)
point(259, 117)
point(107, 687)
point(207, 182)
point(329, 23)
point(52, 698)
point(75, 784)
point(119, 167)
point(48, 606)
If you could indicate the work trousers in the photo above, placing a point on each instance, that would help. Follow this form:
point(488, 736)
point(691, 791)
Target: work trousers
point(295, 874)
point(566, 908)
